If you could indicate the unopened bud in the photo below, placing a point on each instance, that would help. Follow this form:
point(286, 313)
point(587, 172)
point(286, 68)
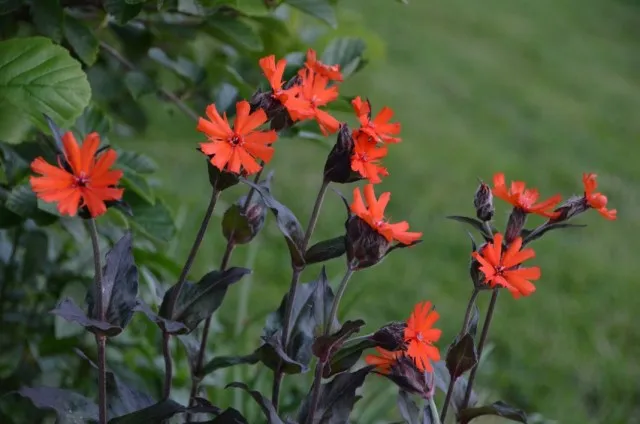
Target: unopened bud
point(409, 378)
point(337, 168)
point(391, 336)
point(483, 202)
point(573, 206)
point(365, 246)
point(240, 225)
point(220, 180)
point(515, 224)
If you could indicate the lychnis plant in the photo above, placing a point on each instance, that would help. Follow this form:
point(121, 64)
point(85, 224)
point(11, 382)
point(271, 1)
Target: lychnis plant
point(304, 334)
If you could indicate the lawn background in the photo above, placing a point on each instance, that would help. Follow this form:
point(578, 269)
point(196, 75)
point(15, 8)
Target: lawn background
point(542, 90)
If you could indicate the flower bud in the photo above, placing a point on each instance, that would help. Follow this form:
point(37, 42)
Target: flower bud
point(220, 180)
point(365, 246)
point(240, 225)
point(337, 168)
point(483, 202)
point(410, 379)
point(573, 206)
point(515, 224)
point(391, 336)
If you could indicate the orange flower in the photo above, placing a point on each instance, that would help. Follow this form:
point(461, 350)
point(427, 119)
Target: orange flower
point(420, 336)
point(383, 362)
point(379, 129)
point(240, 146)
point(523, 198)
point(374, 216)
point(502, 269)
point(80, 179)
point(597, 201)
point(310, 95)
point(273, 72)
point(365, 159)
point(331, 72)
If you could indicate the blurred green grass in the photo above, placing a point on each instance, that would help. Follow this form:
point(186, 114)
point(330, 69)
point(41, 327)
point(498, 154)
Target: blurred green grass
point(542, 90)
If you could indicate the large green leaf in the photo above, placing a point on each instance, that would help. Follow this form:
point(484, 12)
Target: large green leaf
point(121, 10)
point(236, 32)
point(82, 39)
point(154, 220)
point(38, 77)
point(48, 18)
point(321, 9)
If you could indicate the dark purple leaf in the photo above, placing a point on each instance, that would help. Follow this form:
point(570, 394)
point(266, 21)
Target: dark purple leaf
point(119, 285)
point(337, 399)
point(442, 379)
point(346, 357)
point(408, 409)
point(272, 355)
point(198, 301)
point(326, 250)
point(227, 361)
point(530, 235)
point(68, 405)
point(499, 408)
point(461, 356)
point(325, 346)
point(71, 312)
point(475, 223)
point(228, 416)
point(287, 222)
point(265, 404)
point(152, 414)
point(167, 326)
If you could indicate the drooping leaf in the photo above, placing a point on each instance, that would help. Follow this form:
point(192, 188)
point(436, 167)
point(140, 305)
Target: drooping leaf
point(235, 32)
point(167, 326)
point(499, 408)
point(442, 378)
point(325, 346)
point(198, 301)
point(227, 361)
point(346, 52)
point(475, 223)
point(272, 354)
point(408, 408)
point(68, 405)
point(38, 77)
point(228, 416)
point(287, 222)
point(48, 18)
point(326, 250)
point(337, 399)
point(82, 39)
point(265, 404)
point(530, 235)
point(119, 285)
point(121, 10)
point(310, 309)
point(461, 356)
point(347, 356)
point(138, 84)
point(321, 9)
point(152, 414)
point(71, 312)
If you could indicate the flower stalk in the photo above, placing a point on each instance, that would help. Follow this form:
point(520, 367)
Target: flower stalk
point(101, 339)
point(295, 279)
point(315, 390)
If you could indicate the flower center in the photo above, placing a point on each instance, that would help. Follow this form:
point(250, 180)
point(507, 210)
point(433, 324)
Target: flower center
point(81, 180)
point(363, 157)
point(419, 336)
point(236, 140)
point(500, 269)
point(379, 223)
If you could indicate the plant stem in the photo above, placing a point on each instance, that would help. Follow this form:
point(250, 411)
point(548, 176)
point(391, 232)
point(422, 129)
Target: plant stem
point(297, 270)
point(483, 338)
point(435, 419)
point(178, 288)
point(315, 390)
point(101, 339)
point(162, 91)
point(465, 326)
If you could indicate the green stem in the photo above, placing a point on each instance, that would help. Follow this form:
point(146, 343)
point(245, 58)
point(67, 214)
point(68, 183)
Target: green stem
point(465, 326)
point(483, 339)
point(178, 287)
point(295, 278)
point(315, 391)
point(101, 339)
point(435, 419)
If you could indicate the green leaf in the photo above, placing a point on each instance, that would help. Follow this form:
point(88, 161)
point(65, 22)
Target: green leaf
point(321, 9)
point(236, 32)
point(48, 18)
point(82, 39)
point(71, 312)
point(198, 301)
point(153, 414)
point(15, 167)
point(287, 222)
point(227, 361)
point(461, 356)
point(153, 220)
point(137, 162)
point(121, 10)
point(337, 399)
point(36, 245)
point(499, 408)
point(69, 406)
point(181, 66)
point(93, 119)
point(119, 285)
point(346, 357)
point(8, 6)
point(138, 84)
point(265, 404)
point(326, 250)
point(346, 52)
point(38, 77)
point(23, 202)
